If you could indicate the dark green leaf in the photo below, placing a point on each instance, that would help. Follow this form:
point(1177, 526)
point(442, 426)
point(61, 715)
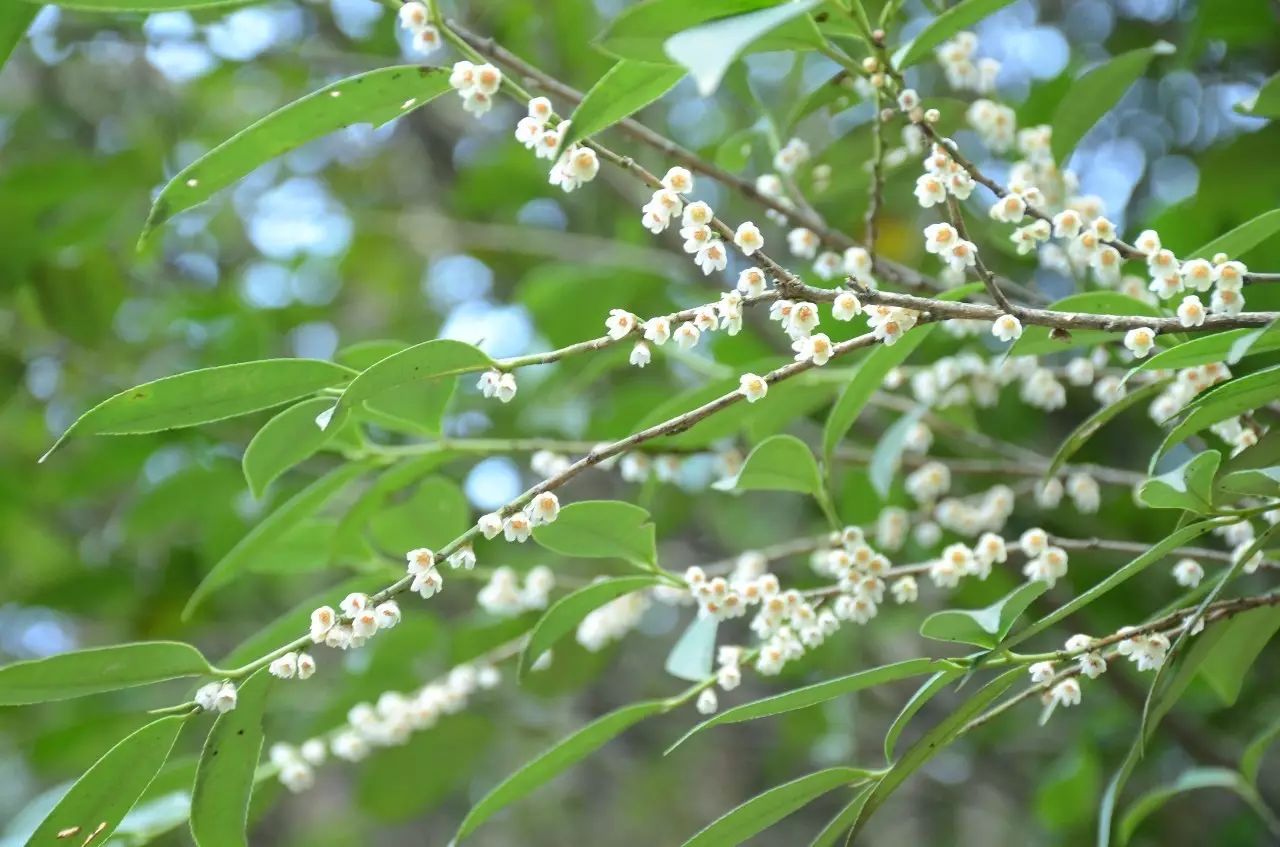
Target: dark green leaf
point(567, 612)
point(944, 26)
point(625, 88)
point(224, 777)
point(82, 672)
point(204, 396)
point(374, 97)
point(1191, 780)
point(287, 439)
point(1189, 486)
point(764, 810)
point(100, 799)
point(601, 529)
point(984, 627)
point(1093, 95)
point(1251, 761)
point(1241, 642)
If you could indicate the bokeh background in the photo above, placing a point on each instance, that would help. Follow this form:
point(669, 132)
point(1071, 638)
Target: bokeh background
point(440, 226)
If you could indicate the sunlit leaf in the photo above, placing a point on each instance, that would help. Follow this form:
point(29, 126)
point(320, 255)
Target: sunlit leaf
point(1189, 486)
point(287, 439)
point(1243, 238)
point(430, 360)
point(1205, 349)
point(625, 88)
point(780, 463)
point(601, 529)
point(984, 627)
point(641, 29)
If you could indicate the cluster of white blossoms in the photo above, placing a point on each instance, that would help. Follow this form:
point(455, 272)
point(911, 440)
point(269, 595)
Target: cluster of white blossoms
point(942, 176)
point(1187, 383)
point(994, 122)
point(1171, 277)
point(360, 620)
point(959, 560)
point(1147, 651)
point(611, 621)
point(504, 596)
point(791, 156)
point(415, 18)
point(1045, 562)
point(217, 697)
point(544, 508)
point(476, 85)
point(388, 722)
point(945, 242)
point(889, 323)
point(293, 663)
point(575, 165)
point(964, 71)
point(499, 384)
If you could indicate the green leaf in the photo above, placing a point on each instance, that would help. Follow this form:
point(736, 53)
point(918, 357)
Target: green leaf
point(1191, 780)
point(693, 655)
point(271, 529)
point(869, 377)
point(1092, 95)
point(1081, 434)
point(1245, 345)
point(766, 809)
point(1035, 340)
point(15, 18)
point(559, 758)
point(417, 409)
point(836, 93)
point(374, 97)
point(833, 834)
point(1205, 349)
point(944, 26)
point(1251, 760)
point(1243, 238)
point(224, 777)
point(284, 441)
point(101, 798)
point(984, 627)
point(1189, 486)
point(601, 529)
point(567, 612)
point(780, 463)
point(887, 456)
point(1140, 563)
point(640, 30)
point(932, 742)
point(625, 88)
point(435, 514)
point(1235, 651)
point(812, 695)
point(708, 49)
point(82, 672)
point(429, 360)
point(1223, 401)
point(204, 396)
point(1254, 482)
point(923, 695)
point(1266, 104)
point(397, 784)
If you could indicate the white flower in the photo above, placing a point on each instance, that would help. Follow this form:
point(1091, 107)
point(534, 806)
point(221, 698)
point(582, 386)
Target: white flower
point(1230, 275)
point(791, 156)
point(686, 335)
point(1033, 542)
point(1106, 264)
point(930, 190)
point(1198, 275)
point(940, 237)
point(517, 527)
point(846, 306)
point(322, 620)
point(463, 77)
point(420, 560)
point(540, 110)
point(752, 387)
point(990, 550)
point(904, 590)
point(284, 667)
point(697, 213)
point(707, 702)
point(1010, 209)
point(908, 99)
point(506, 387)
point(620, 323)
point(1007, 328)
point(816, 348)
point(1226, 301)
point(464, 557)
point(1191, 312)
point(490, 525)
point(1093, 665)
point(828, 264)
point(729, 676)
point(528, 132)
point(364, 624)
point(1084, 492)
point(748, 238)
point(349, 746)
point(801, 320)
point(1238, 553)
point(1041, 672)
point(1140, 340)
point(339, 637)
point(1067, 224)
point(640, 355)
point(858, 263)
point(752, 282)
point(224, 698)
point(1066, 693)
point(486, 79)
point(802, 243)
point(476, 102)
point(488, 383)
point(354, 603)
point(1188, 573)
point(428, 584)
point(306, 667)
point(658, 330)
point(388, 614)
point(413, 15)
point(543, 508)
point(711, 257)
point(678, 180)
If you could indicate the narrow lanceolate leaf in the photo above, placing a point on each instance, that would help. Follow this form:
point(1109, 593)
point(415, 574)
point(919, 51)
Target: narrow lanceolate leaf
point(625, 88)
point(984, 627)
point(708, 49)
point(1192, 780)
point(1243, 238)
point(601, 529)
point(1098, 419)
point(556, 760)
point(1227, 400)
point(764, 810)
point(224, 777)
point(887, 457)
point(373, 98)
point(1205, 349)
point(780, 463)
point(136, 5)
point(692, 656)
point(837, 829)
point(1189, 486)
point(1092, 95)
point(289, 515)
point(14, 20)
point(1254, 482)
point(932, 743)
point(429, 360)
point(923, 695)
point(640, 30)
point(100, 799)
point(1266, 104)
point(567, 612)
point(1157, 552)
point(820, 692)
point(82, 672)
point(1251, 760)
point(944, 26)
point(204, 396)
point(287, 439)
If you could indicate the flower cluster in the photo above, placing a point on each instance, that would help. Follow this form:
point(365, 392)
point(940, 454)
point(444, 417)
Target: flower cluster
point(544, 508)
point(611, 621)
point(361, 618)
point(964, 72)
point(297, 664)
point(476, 85)
point(498, 384)
point(217, 697)
point(416, 20)
point(504, 596)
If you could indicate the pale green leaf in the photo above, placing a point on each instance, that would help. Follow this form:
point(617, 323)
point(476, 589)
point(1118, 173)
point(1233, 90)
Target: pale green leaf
point(1254, 482)
point(82, 672)
point(1092, 95)
point(224, 777)
point(420, 363)
point(374, 98)
point(601, 529)
point(1251, 760)
point(983, 627)
point(1205, 349)
point(955, 19)
point(1242, 640)
point(204, 396)
point(14, 20)
point(693, 655)
point(1243, 238)
point(780, 463)
point(284, 441)
point(640, 30)
point(1189, 486)
point(625, 88)
point(1223, 401)
point(567, 612)
point(926, 692)
point(557, 759)
point(766, 809)
point(833, 834)
point(1266, 103)
point(887, 456)
point(100, 799)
